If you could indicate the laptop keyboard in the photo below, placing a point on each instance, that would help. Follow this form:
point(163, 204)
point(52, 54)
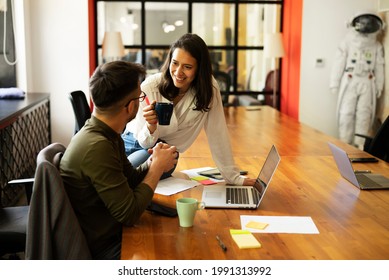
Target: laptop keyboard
point(256, 196)
point(241, 196)
point(365, 181)
point(237, 196)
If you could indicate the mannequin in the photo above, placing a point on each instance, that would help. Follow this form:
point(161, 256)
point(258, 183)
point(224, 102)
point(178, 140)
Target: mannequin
point(358, 77)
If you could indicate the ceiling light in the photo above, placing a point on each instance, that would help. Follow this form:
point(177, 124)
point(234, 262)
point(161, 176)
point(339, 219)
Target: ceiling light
point(179, 23)
point(168, 27)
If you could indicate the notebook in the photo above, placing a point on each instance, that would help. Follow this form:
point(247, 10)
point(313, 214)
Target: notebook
point(249, 197)
point(364, 181)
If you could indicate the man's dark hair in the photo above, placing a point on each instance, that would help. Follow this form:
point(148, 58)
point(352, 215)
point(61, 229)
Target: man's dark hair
point(113, 81)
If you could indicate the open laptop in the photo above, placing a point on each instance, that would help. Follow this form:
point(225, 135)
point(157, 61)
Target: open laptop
point(364, 181)
point(249, 197)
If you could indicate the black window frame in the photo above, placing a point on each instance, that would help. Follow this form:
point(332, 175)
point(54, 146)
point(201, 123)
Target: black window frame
point(235, 48)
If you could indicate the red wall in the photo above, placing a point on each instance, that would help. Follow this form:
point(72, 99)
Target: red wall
point(290, 80)
point(92, 41)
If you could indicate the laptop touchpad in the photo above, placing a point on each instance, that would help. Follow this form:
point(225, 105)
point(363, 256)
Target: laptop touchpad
point(213, 194)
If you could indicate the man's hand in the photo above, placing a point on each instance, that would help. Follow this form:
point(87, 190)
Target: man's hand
point(163, 156)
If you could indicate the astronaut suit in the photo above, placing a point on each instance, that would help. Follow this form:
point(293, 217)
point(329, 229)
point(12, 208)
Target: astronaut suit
point(358, 77)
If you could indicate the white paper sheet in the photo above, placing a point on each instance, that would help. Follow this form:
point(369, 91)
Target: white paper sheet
point(174, 185)
point(281, 224)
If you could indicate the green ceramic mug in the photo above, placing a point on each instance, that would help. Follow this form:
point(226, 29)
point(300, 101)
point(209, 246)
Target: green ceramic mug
point(186, 209)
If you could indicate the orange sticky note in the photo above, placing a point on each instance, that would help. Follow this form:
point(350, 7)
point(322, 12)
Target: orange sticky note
point(256, 225)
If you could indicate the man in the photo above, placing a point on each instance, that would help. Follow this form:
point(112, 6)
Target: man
point(105, 190)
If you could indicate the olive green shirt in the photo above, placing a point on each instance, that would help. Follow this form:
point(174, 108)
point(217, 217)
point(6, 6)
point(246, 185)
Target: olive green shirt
point(104, 189)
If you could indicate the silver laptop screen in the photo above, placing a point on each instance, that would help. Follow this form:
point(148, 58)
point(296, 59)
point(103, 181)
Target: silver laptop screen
point(344, 164)
point(267, 171)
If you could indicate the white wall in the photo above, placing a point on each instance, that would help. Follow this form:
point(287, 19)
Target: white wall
point(57, 57)
point(324, 26)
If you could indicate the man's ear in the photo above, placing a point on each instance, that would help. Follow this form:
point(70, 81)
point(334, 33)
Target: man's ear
point(130, 107)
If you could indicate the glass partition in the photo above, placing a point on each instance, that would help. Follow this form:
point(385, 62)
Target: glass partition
point(124, 17)
point(215, 23)
point(236, 41)
point(165, 22)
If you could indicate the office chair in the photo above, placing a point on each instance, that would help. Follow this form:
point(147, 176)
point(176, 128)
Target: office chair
point(269, 86)
point(224, 81)
point(13, 223)
point(378, 145)
point(245, 99)
point(53, 230)
point(81, 108)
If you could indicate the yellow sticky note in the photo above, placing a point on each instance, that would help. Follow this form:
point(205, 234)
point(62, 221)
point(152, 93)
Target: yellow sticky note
point(244, 239)
point(256, 225)
point(199, 178)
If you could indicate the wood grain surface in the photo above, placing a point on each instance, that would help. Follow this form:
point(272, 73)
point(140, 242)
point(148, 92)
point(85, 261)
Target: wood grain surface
point(353, 224)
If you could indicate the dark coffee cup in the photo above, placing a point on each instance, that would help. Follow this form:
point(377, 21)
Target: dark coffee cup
point(164, 112)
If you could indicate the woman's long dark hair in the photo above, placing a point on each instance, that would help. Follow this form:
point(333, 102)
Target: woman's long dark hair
point(202, 84)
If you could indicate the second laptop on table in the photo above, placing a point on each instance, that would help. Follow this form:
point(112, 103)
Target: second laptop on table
point(364, 181)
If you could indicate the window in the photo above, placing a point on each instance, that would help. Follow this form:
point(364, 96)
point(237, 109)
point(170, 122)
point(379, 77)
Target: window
point(233, 30)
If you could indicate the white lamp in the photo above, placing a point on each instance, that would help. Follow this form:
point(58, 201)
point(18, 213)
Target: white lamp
point(274, 48)
point(113, 48)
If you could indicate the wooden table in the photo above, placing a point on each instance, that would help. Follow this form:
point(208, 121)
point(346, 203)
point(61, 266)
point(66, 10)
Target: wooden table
point(353, 224)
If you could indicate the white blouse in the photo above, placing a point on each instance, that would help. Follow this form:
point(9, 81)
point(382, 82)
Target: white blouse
point(185, 126)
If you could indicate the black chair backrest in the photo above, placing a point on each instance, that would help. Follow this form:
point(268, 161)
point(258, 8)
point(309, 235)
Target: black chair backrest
point(224, 81)
point(81, 108)
point(269, 86)
point(379, 146)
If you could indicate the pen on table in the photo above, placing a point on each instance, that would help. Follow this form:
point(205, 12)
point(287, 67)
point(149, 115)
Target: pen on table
point(362, 171)
point(221, 244)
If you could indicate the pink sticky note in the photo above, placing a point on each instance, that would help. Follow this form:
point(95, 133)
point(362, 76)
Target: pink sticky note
point(207, 182)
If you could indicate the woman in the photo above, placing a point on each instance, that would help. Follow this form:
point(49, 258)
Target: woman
point(186, 80)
